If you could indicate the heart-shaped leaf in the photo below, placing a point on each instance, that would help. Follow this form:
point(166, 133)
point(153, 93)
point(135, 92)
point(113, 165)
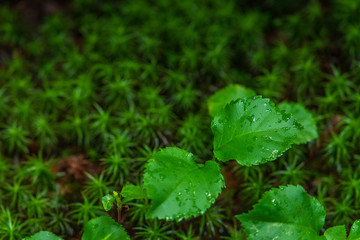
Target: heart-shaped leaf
point(285, 213)
point(253, 131)
point(178, 187)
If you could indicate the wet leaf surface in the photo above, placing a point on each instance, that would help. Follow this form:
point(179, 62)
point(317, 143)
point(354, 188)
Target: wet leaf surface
point(178, 187)
point(253, 131)
point(284, 213)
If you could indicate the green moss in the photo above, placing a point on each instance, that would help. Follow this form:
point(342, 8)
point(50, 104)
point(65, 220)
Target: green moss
point(91, 90)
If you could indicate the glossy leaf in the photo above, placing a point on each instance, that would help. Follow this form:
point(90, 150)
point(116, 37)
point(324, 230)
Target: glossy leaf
point(355, 231)
point(43, 236)
point(130, 192)
point(178, 187)
point(335, 233)
point(104, 228)
point(284, 213)
point(253, 131)
point(107, 201)
point(304, 117)
point(221, 98)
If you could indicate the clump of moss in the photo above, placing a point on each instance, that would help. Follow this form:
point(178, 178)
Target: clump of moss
point(91, 90)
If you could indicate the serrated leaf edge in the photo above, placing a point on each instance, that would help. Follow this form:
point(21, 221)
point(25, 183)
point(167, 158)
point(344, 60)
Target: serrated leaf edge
point(275, 190)
point(184, 216)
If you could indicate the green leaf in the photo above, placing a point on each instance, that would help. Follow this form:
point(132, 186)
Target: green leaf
point(284, 213)
point(304, 117)
point(336, 233)
point(232, 92)
point(130, 192)
point(104, 228)
point(43, 236)
point(253, 131)
point(107, 201)
point(355, 231)
point(178, 187)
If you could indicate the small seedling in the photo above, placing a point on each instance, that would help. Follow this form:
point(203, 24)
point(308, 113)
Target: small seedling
point(250, 130)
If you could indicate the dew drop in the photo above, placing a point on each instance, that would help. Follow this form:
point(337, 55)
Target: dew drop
point(267, 138)
point(274, 202)
point(274, 153)
point(209, 197)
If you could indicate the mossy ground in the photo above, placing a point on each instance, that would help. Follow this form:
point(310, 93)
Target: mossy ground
point(89, 90)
